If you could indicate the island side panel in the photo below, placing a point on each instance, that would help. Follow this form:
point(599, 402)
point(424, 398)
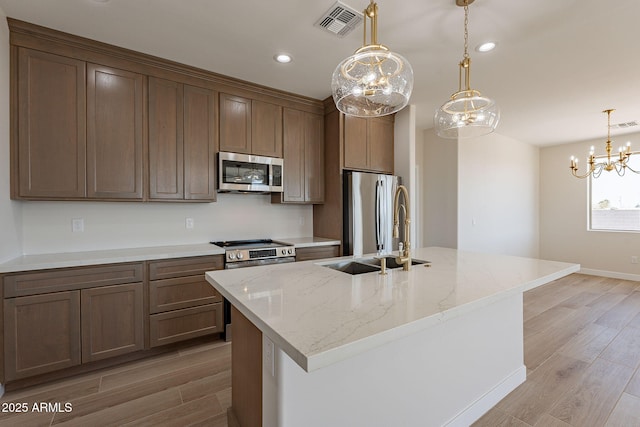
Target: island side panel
point(449, 374)
point(246, 371)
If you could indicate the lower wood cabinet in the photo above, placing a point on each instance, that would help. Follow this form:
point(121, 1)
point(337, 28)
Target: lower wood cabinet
point(112, 319)
point(182, 304)
point(41, 334)
point(317, 252)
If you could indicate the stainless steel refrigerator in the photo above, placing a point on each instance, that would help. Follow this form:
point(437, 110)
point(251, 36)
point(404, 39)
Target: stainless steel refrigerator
point(368, 213)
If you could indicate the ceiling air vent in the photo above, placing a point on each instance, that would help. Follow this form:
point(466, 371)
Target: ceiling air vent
point(624, 125)
point(340, 19)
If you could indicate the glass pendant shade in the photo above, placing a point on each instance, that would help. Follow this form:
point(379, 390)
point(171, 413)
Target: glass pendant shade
point(467, 114)
point(372, 82)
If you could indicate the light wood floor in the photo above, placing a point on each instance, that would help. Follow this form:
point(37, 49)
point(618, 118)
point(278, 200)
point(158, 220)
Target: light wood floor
point(582, 352)
point(190, 387)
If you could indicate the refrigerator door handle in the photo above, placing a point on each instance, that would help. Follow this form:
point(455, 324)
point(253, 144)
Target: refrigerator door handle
point(378, 219)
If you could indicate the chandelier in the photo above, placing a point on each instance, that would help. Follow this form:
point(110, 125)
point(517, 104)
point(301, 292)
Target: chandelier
point(373, 81)
point(467, 113)
point(604, 161)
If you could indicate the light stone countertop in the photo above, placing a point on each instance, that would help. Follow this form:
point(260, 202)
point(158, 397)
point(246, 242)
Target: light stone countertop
point(307, 242)
point(320, 316)
point(113, 256)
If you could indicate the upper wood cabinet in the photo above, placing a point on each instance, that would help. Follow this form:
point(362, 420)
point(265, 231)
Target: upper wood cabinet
point(51, 137)
point(266, 129)
point(181, 141)
point(115, 100)
point(303, 147)
point(250, 126)
point(368, 143)
point(90, 121)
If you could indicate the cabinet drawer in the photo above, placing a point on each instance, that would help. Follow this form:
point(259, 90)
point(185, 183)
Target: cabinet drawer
point(181, 292)
point(71, 279)
point(181, 267)
point(179, 325)
point(317, 252)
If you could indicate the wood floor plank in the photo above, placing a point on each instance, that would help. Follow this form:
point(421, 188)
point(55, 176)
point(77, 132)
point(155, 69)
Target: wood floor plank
point(591, 400)
point(580, 299)
point(621, 314)
point(547, 420)
point(589, 343)
point(29, 419)
point(151, 370)
point(209, 385)
point(625, 348)
point(196, 411)
point(624, 287)
point(120, 395)
point(498, 418)
point(127, 411)
point(626, 413)
point(634, 385)
point(543, 388)
point(549, 318)
point(64, 393)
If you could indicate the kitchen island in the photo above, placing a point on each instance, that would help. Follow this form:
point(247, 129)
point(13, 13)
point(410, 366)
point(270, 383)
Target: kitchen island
point(437, 345)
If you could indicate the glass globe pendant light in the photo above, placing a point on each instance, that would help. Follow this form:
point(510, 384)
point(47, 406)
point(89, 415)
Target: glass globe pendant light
point(374, 81)
point(467, 113)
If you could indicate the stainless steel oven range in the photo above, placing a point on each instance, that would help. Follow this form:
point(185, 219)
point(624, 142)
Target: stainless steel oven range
point(251, 253)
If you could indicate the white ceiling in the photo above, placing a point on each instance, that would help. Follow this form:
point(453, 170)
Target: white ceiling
point(558, 63)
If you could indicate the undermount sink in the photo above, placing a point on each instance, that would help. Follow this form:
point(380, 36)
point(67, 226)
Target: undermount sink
point(353, 267)
point(369, 265)
point(392, 261)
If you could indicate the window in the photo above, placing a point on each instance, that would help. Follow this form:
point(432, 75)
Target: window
point(615, 200)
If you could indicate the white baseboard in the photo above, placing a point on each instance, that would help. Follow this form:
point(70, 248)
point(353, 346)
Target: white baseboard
point(611, 274)
point(480, 407)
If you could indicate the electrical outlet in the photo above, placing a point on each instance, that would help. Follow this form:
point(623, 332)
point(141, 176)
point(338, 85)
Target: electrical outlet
point(634, 259)
point(188, 223)
point(269, 357)
point(77, 225)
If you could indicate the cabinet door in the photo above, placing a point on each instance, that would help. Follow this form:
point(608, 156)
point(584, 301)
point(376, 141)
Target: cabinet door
point(235, 124)
point(41, 333)
point(51, 126)
point(199, 144)
point(294, 163)
point(266, 129)
point(114, 133)
point(355, 143)
point(314, 158)
point(381, 145)
point(166, 165)
point(112, 321)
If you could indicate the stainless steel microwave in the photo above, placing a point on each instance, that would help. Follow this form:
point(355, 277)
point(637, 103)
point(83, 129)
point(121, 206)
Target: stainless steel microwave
point(247, 173)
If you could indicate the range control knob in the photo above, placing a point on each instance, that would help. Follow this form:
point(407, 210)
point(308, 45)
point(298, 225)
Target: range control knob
point(290, 251)
point(284, 252)
point(231, 256)
point(239, 255)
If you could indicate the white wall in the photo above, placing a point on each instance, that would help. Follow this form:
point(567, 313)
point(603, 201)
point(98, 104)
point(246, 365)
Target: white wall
point(111, 225)
point(498, 196)
point(10, 211)
point(481, 194)
point(440, 188)
point(564, 216)
point(404, 140)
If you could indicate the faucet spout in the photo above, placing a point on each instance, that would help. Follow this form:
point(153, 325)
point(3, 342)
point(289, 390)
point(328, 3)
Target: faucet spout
point(404, 255)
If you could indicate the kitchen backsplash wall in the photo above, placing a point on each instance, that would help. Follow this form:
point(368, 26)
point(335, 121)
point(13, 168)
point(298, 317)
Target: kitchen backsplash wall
point(47, 226)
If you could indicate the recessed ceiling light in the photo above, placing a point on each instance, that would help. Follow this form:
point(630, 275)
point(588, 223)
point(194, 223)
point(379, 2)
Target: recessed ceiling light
point(282, 58)
point(486, 47)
